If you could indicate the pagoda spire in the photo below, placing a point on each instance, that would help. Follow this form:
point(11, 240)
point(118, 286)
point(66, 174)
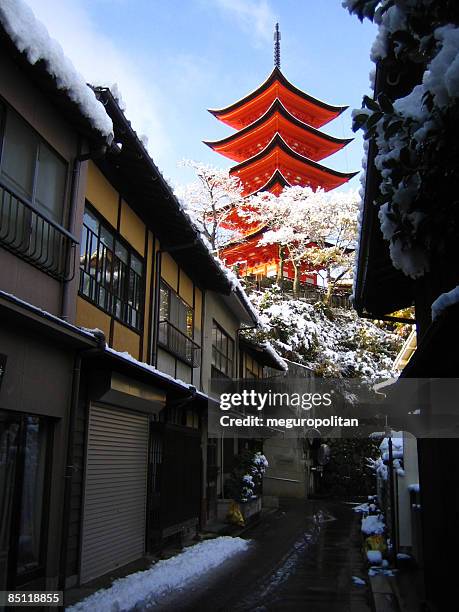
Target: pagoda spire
point(277, 39)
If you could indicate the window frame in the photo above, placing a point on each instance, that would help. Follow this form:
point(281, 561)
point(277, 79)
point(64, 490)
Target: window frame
point(114, 297)
point(229, 357)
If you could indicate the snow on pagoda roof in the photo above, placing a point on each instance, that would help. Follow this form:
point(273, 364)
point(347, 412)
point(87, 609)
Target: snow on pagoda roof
point(276, 75)
point(31, 38)
point(278, 142)
point(277, 107)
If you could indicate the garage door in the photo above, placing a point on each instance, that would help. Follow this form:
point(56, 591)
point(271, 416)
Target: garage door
point(115, 491)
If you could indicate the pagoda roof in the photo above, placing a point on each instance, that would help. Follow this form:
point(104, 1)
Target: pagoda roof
point(297, 169)
point(306, 108)
point(276, 183)
point(300, 136)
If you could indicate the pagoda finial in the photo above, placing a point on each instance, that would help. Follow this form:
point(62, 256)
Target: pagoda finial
point(277, 37)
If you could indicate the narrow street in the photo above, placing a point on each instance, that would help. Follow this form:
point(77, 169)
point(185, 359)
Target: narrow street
point(303, 557)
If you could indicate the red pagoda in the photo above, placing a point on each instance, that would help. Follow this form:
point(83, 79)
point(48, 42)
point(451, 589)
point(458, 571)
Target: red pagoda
point(278, 143)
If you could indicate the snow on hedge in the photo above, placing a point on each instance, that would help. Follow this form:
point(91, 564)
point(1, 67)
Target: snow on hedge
point(31, 37)
point(330, 342)
point(164, 577)
point(373, 524)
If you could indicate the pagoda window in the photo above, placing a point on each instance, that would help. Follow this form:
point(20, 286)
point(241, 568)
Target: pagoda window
point(222, 353)
point(111, 272)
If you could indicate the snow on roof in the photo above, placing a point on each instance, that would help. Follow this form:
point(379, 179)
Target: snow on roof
point(31, 37)
point(444, 301)
point(146, 366)
point(268, 347)
point(92, 333)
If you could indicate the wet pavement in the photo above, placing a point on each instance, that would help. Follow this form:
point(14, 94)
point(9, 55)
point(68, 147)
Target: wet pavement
point(303, 557)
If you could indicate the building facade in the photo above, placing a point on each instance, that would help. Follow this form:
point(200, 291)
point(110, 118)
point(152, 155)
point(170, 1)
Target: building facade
point(115, 318)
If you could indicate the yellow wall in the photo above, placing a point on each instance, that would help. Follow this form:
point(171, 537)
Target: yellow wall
point(169, 270)
point(124, 339)
point(132, 228)
point(101, 194)
point(91, 317)
point(186, 288)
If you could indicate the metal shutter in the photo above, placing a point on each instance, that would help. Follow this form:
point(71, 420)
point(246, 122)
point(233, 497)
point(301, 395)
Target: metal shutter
point(115, 491)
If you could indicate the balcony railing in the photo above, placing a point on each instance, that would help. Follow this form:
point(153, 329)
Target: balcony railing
point(35, 238)
point(179, 344)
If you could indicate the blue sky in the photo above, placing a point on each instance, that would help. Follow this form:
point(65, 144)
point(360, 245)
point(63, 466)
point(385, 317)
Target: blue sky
point(173, 59)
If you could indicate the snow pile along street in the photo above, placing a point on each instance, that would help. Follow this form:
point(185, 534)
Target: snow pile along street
point(163, 577)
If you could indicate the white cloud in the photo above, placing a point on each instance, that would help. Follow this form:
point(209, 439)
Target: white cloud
point(104, 61)
point(254, 16)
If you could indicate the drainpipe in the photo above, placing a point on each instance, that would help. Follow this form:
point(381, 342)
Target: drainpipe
point(69, 467)
point(66, 290)
point(74, 227)
point(393, 517)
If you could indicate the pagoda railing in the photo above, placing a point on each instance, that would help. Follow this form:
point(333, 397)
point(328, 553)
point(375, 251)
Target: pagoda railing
point(35, 238)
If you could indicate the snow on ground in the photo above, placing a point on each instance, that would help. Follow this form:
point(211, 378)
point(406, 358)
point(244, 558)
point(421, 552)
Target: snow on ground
point(163, 577)
point(31, 37)
point(379, 571)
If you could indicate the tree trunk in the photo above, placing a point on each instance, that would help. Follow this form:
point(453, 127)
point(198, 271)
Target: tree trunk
point(331, 286)
point(280, 269)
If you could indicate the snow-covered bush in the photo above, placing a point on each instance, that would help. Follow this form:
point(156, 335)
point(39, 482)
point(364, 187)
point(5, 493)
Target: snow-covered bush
point(246, 478)
point(332, 342)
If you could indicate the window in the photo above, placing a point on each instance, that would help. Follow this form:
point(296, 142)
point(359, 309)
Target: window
point(111, 273)
point(176, 326)
point(32, 198)
point(31, 169)
point(253, 370)
point(174, 310)
point(24, 461)
point(222, 353)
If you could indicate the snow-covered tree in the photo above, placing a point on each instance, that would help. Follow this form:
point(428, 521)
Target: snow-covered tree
point(312, 228)
point(416, 136)
point(331, 342)
point(210, 200)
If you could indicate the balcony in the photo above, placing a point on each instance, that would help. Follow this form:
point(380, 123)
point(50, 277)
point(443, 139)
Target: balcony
point(33, 237)
point(176, 342)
